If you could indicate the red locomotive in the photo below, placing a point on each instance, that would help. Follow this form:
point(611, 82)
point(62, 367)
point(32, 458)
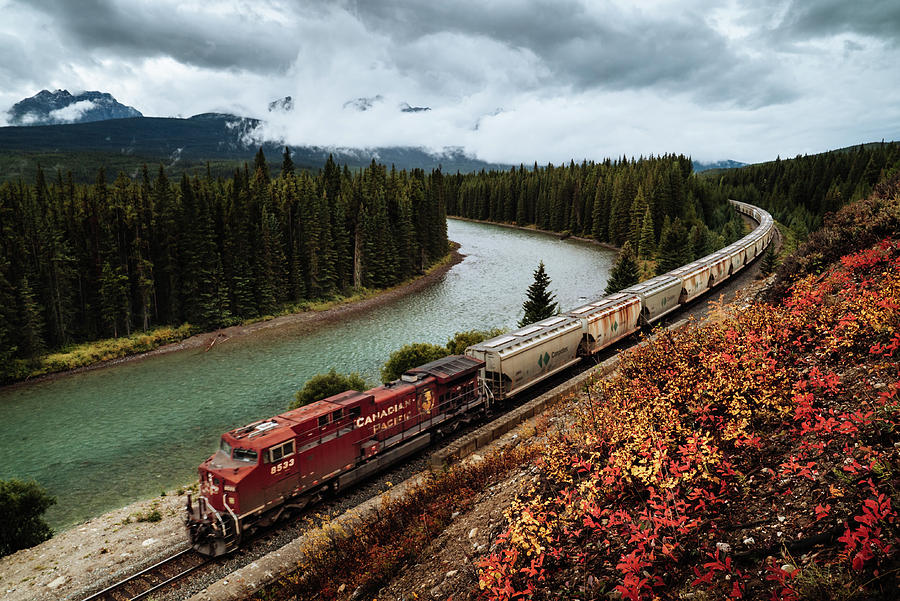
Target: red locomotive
point(282, 463)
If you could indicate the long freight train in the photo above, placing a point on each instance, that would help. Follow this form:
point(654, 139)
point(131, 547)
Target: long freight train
point(282, 463)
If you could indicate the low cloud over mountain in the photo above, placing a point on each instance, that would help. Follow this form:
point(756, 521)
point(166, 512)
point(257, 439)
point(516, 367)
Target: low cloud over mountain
point(53, 108)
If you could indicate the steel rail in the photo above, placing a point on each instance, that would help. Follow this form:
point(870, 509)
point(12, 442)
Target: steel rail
point(144, 572)
point(175, 578)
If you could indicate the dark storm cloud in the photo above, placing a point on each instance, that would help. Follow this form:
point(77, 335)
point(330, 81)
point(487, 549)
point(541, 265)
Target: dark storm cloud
point(587, 78)
point(875, 18)
point(592, 48)
point(18, 61)
point(240, 39)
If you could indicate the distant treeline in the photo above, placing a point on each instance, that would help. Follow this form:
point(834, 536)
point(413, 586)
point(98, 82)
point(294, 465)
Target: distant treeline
point(655, 204)
point(82, 262)
point(799, 192)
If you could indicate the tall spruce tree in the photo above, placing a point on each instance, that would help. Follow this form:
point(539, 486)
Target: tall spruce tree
point(625, 272)
point(647, 245)
point(539, 303)
point(674, 248)
point(287, 164)
point(8, 335)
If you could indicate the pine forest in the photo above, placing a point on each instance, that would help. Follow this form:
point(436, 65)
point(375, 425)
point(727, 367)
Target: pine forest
point(78, 262)
point(655, 203)
point(85, 262)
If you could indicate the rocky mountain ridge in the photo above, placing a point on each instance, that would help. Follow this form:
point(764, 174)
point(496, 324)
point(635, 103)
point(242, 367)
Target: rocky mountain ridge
point(54, 108)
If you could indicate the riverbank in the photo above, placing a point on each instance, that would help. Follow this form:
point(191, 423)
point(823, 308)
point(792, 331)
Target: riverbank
point(182, 338)
point(531, 228)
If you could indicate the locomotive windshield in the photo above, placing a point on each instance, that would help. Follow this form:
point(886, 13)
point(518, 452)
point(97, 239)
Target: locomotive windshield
point(247, 455)
point(225, 447)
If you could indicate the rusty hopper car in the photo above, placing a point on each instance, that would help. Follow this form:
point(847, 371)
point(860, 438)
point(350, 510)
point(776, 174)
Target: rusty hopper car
point(528, 355)
point(659, 296)
point(282, 463)
point(719, 267)
point(694, 280)
point(607, 320)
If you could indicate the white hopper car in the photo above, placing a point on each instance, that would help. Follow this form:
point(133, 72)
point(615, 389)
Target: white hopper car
point(524, 357)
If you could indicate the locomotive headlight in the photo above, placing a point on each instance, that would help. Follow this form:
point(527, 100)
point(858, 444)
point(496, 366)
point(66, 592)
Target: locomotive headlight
point(231, 500)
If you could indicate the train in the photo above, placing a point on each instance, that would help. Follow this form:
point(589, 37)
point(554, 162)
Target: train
point(281, 464)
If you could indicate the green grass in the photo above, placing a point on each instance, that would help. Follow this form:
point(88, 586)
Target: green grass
point(97, 351)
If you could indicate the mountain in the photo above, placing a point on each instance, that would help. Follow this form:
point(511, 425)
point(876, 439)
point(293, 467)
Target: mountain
point(284, 105)
point(413, 109)
point(46, 108)
point(210, 135)
point(727, 164)
point(363, 103)
point(225, 140)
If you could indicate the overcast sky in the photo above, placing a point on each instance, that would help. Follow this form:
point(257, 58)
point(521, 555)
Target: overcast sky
point(510, 81)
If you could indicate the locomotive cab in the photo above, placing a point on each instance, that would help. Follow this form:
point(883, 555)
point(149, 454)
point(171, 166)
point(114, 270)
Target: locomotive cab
point(222, 474)
point(234, 482)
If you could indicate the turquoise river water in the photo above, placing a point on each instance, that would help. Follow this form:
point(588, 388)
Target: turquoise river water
point(105, 438)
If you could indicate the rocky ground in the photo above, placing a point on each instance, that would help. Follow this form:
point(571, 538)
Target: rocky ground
point(447, 569)
point(98, 550)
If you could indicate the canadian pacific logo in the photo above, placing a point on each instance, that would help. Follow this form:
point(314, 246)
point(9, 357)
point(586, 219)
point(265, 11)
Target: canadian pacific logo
point(378, 419)
point(544, 360)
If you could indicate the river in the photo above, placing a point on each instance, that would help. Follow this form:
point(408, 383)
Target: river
point(104, 438)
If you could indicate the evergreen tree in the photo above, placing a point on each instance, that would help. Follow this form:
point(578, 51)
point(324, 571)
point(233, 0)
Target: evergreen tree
point(639, 209)
point(625, 272)
point(31, 324)
point(287, 164)
point(696, 241)
point(260, 166)
point(600, 218)
point(647, 245)
point(165, 249)
point(213, 297)
point(673, 249)
point(8, 337)
point(620, 223)
point(539, 303)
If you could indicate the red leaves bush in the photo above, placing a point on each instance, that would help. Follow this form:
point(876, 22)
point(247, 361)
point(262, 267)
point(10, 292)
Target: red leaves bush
point(674, 467)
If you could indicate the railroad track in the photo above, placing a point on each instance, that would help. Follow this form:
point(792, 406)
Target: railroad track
point(154, 578)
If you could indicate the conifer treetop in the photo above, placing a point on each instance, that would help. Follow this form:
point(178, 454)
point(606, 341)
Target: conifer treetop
point(540, 303)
